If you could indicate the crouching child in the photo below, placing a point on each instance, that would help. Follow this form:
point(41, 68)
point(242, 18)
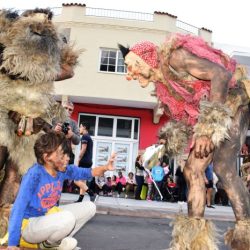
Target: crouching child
point(36, 220)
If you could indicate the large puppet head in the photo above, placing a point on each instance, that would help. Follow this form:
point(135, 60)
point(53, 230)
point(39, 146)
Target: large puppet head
point(30, 46)
point(142, 62)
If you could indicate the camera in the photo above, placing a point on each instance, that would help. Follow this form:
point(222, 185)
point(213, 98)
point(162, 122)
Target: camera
point(65, 128)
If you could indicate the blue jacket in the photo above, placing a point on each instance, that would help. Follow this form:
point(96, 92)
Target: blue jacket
point(38, 192)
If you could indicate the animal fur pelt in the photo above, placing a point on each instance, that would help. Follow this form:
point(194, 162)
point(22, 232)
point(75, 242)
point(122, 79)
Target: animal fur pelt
point(239, 237)
point(32, 52)
point(193, 234)
point(214, 121)
point(176, 135)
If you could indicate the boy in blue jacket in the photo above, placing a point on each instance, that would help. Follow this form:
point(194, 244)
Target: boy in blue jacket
point(35, 217)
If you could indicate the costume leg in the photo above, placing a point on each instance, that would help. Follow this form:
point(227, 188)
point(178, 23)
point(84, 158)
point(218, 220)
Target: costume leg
point(8, 190)
point(194, 232)
point(225, 169)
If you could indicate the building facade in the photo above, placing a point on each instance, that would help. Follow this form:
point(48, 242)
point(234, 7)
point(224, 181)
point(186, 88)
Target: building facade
point(123, 116)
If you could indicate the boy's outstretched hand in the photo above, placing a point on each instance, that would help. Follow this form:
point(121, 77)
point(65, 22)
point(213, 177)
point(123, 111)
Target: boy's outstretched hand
point(110, 164)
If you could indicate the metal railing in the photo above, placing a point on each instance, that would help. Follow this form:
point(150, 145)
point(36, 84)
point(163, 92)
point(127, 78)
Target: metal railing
point(120, 14)
point(187, 27)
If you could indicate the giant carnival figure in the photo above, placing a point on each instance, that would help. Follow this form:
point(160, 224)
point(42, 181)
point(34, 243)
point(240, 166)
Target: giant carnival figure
point(204, 93)
point(32, 55)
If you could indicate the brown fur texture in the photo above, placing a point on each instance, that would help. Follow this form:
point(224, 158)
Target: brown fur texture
point(177, 135)
point(239, 237)
point(31, 59)
point(193, 234)
point(214, 121)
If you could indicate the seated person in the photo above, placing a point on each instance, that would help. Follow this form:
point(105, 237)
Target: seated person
point(120, 183)
point(99, 183)
point(113, 183)
point(108, 186)
point(36, 217)
point(130, 185)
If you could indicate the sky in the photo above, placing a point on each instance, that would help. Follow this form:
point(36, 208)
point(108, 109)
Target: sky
point(226, 18)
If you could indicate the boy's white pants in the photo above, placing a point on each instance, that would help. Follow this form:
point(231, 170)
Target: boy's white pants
point(56, 226)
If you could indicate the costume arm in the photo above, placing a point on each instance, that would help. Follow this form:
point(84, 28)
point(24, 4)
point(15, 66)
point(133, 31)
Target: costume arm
point(215, 117)
point(183, 61)
point(17, 213)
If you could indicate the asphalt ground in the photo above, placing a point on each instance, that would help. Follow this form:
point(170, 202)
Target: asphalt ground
point(109, 232)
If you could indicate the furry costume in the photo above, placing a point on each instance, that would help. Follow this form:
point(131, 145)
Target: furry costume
point(32, 54)
point(203, 89)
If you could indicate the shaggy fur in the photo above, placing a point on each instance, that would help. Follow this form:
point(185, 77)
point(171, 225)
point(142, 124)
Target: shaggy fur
point(193, 234)
point(177, 135)
point(31, 57)
point(239, 237)
point(214, 121)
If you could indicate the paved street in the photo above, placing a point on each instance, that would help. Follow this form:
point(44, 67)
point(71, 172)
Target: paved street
point(128, 224)
point(107, 232)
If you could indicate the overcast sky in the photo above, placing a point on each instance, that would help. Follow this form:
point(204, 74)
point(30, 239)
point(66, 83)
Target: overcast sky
point(228, 19)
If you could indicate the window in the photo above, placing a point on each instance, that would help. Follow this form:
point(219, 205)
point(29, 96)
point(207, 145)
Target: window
point(124, 127)
point(105, 127)
point(112, 61)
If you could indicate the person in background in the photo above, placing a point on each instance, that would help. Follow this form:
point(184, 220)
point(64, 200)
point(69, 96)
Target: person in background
point(158, 175)
point(209, 184)
point(149, 182)
point(131, 184)
point(139, 176)
point(109, 186)
point(99, 184)
point(120, 183)
point(85, 160)
point(113, 184)
point(72, 133)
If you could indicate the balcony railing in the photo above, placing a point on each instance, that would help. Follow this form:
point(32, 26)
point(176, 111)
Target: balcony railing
point(187, 27)
point(120, 14)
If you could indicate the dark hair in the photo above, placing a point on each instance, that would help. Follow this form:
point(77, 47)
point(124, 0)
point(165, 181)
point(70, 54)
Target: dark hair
point(123, 49)
point(86, 125)
point(114, 177)
point(49, 143)
point(130, 173)
point(108, 178)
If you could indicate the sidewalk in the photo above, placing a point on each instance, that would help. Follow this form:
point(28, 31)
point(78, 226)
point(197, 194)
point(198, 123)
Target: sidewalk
point(150, 209)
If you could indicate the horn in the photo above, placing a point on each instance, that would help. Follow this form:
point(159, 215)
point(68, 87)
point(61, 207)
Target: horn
point(123, 50)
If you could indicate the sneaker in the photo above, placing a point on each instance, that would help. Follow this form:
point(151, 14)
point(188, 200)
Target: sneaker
point(118, 196)
point(126, 196)
point(67, 243)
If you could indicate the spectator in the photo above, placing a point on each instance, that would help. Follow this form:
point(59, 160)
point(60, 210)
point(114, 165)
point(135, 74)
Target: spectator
point(221, 196)
point(158, 175)
point(99, 183)
point(181, 182)
point(149, 182)
point(109, 186)
point(85, 160)
point(120, 183)
point(71, 130)
point(130, 185)
point(209, 184)
point(113, 183)
point(139, 176)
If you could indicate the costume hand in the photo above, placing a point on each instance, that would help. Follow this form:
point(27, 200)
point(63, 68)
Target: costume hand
point(110, 165)
point(66, 72)
point(203, 146)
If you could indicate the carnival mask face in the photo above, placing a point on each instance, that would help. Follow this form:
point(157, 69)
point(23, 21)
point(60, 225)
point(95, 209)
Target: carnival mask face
point(139, 70)
point(31, 48)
